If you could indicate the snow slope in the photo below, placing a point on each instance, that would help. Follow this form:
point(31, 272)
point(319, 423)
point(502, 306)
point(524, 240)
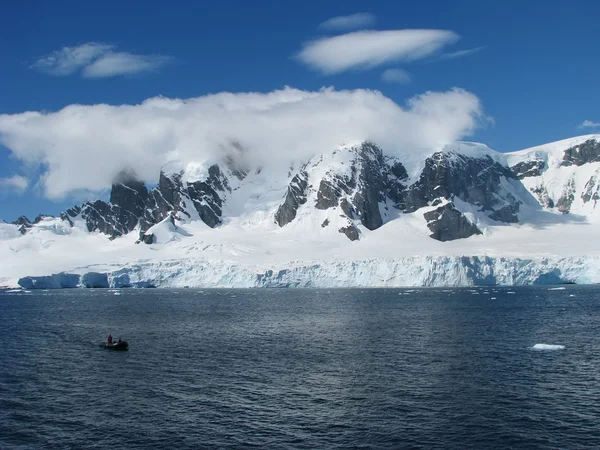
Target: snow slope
point(552, 152)
point(250, 250)
point(399, 253)
point(561, 182)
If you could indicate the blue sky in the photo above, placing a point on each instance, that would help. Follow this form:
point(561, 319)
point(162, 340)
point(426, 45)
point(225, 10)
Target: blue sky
point(532, 65)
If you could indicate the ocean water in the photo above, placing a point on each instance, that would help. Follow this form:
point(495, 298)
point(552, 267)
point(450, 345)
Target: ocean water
point(313, 369)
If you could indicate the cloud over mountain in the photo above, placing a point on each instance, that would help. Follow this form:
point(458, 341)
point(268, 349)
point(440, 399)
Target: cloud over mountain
point(84, 147)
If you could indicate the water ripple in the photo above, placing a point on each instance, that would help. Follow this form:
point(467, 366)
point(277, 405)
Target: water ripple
point(301, 369)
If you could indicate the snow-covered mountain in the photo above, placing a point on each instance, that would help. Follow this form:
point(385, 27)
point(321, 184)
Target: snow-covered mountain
point(564, 176)
point(352, 216)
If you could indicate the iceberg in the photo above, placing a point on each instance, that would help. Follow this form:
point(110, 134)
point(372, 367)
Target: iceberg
point(548, 347)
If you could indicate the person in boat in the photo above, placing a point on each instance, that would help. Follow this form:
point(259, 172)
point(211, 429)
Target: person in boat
point(109, 340)
point(119, 341)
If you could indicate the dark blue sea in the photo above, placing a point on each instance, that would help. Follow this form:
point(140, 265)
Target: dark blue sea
point(310, 369)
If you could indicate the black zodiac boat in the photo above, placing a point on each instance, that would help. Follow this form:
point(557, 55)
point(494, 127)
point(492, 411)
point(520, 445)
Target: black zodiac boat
point(115, 345)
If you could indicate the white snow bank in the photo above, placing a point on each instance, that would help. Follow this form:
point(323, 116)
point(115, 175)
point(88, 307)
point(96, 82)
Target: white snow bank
point(548, 347)
point(166, 231)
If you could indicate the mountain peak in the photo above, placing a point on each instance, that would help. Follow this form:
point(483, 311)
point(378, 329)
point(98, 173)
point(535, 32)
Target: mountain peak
point(353, 201)
point(353, 189)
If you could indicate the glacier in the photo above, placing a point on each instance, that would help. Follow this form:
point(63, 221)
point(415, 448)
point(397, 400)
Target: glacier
point(425, 271)
point(353, 217)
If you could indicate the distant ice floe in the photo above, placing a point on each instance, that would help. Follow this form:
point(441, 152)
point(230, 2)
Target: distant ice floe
point(562, 288)
point(548, 347)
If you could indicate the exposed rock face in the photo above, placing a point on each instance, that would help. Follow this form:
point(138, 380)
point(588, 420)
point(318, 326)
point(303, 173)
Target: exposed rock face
point(566, 200)
point(129, 194)
point(132, 205)
point(162, 199)
point(147, 238)
point(447, 223)
point(41, 217)
point(371, 185)
point(295, 196)
point(359, 191)
point(473, 180)
point(531, 168)
point(331, 189)
point(543, 197)
point(350, 231)
point(566, 187)
point(70, 214)
point(128, 203)
point(584, 153)
point(591, 190)
point(174, 197)
point(395, 189)
point(358, 183)
point(23, 224)
point(108, 219)
point(206, 195)
point(398, 170)
point(363, 185)
point(370, 180)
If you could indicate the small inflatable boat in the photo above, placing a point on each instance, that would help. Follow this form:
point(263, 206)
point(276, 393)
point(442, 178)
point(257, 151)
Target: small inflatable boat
point(115, 345)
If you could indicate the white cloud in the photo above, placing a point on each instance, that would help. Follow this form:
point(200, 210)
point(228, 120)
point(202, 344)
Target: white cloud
point(69, 60)
point(368, 49)
point(113, 64)
point(589, 124)
point(15, 183)
point(84, 147)
point(461, 53)
point(351, 22)
point(396, 76)
point(97, 60)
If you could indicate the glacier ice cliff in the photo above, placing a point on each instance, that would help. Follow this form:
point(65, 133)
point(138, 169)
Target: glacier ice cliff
point(417, 271)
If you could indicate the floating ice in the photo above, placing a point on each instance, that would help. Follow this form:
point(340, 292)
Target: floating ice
point(562, 288)
point(548, 347)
